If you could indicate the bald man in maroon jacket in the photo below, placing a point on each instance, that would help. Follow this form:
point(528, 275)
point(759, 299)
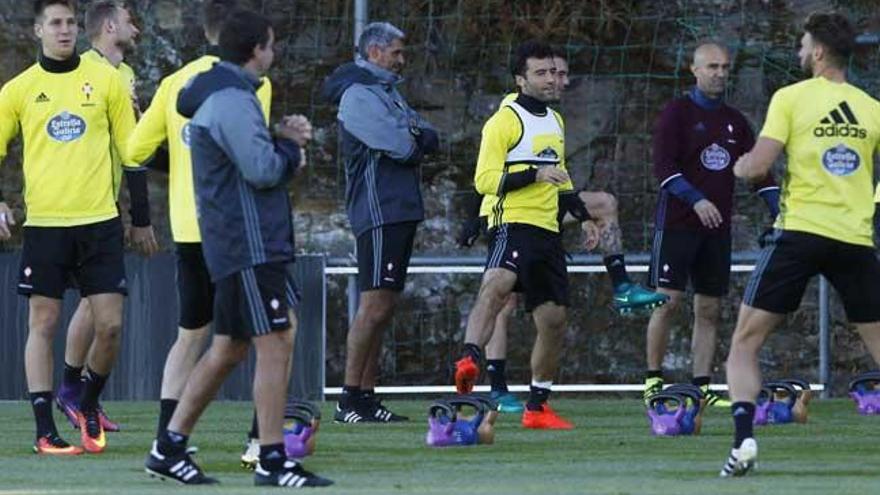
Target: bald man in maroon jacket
point(697, 139)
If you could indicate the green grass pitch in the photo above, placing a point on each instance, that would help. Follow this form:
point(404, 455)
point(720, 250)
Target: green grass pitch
point(610, 452)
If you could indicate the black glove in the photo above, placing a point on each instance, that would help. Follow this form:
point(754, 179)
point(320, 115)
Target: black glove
point(427, 139)
point(570, 202)
point(471, 231)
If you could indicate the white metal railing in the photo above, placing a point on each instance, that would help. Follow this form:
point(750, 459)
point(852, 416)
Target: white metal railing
point(742, 262)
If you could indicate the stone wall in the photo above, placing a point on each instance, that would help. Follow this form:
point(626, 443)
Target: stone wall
point(627, 59)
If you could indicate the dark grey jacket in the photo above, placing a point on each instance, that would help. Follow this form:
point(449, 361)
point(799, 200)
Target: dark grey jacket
point(240, 172)
point(383, 141)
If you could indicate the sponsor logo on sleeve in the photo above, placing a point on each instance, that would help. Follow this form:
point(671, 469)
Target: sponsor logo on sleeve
point(841, 160)
point(66, 127)
point(715, 157)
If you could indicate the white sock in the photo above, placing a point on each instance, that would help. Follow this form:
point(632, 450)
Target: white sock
point(546, 385)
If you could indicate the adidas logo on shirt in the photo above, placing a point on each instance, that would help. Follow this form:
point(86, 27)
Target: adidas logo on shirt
point(42, 98)
point(840, 122)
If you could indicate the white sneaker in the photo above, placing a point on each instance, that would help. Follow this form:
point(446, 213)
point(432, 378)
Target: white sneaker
point(251, 455)
point(741, 460)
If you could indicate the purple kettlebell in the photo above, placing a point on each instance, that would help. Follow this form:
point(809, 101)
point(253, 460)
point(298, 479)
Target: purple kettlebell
point(664, 423)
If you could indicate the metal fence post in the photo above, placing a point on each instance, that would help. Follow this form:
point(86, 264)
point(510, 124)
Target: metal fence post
point(352, 298)
point(824, 338)
point(361, 18)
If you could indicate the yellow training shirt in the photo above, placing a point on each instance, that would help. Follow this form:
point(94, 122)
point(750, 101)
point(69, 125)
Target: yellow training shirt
point(508, 98)
point(505, 148)
point(128, 78)
point(830, 132)
point(68, 121)
point(161, 122)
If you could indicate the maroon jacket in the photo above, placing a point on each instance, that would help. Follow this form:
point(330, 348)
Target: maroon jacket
point(700, 144)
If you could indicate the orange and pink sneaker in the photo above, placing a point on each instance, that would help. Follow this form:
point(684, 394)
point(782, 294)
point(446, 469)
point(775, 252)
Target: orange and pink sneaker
point(545, 419)
point(91, 432)
point(54, 445)
point(466, 373)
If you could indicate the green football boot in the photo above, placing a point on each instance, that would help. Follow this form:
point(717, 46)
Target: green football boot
point(653, 386)
point(630, 298)
point(713, 398)
point(507, 402)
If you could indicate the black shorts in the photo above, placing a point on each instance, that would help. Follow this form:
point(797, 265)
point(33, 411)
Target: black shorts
point(537, 258)
point(254, 301)
point(681, 255)
point(792, 258)
point(91, 255)
point(383, 256)
point(195, 291)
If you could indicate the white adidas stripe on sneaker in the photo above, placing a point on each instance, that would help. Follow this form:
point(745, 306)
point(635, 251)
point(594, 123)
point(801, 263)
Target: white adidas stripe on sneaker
point(741, 460)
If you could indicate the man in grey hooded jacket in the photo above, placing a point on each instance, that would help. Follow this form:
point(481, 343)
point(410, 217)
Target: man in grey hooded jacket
point(240, 175)
point(383, 141)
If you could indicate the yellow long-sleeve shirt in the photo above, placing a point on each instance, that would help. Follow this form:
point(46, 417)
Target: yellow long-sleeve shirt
point(69, 121)
point(535, 204)
point(161, 122)
point(129, 79)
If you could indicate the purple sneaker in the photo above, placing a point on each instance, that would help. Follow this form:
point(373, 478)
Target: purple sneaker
point(67, 401)
point(106, 423)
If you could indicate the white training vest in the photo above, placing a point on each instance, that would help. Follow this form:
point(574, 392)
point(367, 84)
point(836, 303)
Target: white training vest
point(542, 141)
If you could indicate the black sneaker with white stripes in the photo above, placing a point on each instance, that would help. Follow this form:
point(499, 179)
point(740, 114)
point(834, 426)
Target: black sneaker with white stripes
point(180, 468)
point(292, 475)
point(741, 460)
point(373, 408)
point(348, 414)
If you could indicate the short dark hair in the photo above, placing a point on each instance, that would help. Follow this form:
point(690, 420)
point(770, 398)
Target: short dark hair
point(243, 31)
point(40, 6)
point(97, 14)
point(833, 31)
point(214, 13)
point(530, 49)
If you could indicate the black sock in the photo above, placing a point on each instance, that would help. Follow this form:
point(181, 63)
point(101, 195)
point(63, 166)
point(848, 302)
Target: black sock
point(537, 397)
point(255, 427)
point(701, 381)
point(616, 267)
point(42, 404)
point(743, 416)
point(171, 443)
point(367, 394)
point(94, 386)
point(350, 395)
point(497, 375)
point(166, 410)
point(474, 352)
point(72, 374)
point(654, 374)
point(272, 457)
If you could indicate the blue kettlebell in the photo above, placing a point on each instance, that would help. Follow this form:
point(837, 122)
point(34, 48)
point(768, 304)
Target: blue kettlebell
point(784, 395)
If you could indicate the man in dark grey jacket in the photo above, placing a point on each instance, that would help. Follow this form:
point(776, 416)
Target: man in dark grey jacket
point(383, 141)
point(240, 174)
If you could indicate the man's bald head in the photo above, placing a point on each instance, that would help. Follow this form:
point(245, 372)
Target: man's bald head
point(711, 67)
point(710, 50)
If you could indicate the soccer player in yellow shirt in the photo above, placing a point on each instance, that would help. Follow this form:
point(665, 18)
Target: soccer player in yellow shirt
point(830, 133)
point(162, 124)
point(603, 231)
point(111, 33)
point(521, 173)
point(70, 112)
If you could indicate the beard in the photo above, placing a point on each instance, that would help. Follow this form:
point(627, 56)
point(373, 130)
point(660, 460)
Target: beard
point(807, 66)
point(126, 45)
